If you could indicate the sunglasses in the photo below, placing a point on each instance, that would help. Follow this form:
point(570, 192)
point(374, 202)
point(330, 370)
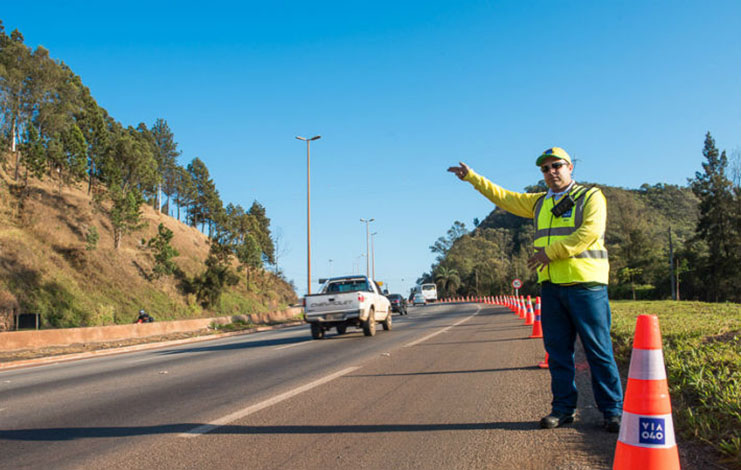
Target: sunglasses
point(556, 166)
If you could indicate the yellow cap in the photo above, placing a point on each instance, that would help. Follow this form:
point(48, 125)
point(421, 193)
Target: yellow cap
point(556, 152)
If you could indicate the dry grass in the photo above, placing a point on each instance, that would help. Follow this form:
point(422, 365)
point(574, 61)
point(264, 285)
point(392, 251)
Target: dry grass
point(45, 265)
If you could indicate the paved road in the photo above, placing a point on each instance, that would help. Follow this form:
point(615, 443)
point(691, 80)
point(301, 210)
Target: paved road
point(449, 387)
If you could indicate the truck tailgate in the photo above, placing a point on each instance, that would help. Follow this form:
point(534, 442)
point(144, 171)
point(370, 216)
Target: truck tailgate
point(328, 304)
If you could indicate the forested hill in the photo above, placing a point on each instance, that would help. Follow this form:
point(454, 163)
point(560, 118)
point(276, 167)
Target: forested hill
point(704, 220)
point(85, 198)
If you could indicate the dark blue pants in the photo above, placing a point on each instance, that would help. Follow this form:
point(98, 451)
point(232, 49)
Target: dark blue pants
point(566, 312)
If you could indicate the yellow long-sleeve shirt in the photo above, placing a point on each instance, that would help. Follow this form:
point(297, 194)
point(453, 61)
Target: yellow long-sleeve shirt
point(523, 205)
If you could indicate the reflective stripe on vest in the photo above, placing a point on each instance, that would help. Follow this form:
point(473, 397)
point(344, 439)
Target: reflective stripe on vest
point(590, 265)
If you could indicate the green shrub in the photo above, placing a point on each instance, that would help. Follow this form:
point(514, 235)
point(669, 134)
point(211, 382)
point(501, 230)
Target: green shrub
point(91, 238)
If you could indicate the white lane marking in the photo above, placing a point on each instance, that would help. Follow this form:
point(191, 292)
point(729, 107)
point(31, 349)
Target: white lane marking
point(203, 429)
point(144, 359)
point(292, 345)
point(425, 338)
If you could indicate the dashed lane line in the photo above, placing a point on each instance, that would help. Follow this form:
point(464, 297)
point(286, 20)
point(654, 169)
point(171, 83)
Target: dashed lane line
point(293, 345)
point(425, 338)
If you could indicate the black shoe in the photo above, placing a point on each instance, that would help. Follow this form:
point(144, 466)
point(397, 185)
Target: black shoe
point(556, 419)
point(612, 423)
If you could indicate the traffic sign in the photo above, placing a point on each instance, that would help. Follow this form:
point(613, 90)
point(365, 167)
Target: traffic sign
point(517, 283)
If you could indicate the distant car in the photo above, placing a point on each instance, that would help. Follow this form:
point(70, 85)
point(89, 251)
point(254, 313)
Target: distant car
point(398, 304)
point(419, 299)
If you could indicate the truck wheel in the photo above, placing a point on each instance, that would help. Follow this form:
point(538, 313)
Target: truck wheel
point(341, 329)
point(387, 322)
point(369, 326)
point(317, 332)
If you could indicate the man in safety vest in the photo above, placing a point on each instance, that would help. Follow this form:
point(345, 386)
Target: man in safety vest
point(571, 262)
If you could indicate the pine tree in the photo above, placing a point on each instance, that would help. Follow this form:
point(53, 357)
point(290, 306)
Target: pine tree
point(716, 225)
point(185, 190)
point(262, 232)
point(166, 154)
point(204, 186)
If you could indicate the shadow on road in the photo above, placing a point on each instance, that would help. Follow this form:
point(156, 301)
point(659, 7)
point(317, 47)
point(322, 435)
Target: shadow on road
point(444, 372)
point(500, 340)
point(235, 346)
point(70, 434)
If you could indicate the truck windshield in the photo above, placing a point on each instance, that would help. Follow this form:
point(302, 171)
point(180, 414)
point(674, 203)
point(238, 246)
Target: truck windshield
point(353, 285)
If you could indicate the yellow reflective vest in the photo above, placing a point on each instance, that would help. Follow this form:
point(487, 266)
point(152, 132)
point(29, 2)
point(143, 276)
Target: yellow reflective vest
point(574, 242)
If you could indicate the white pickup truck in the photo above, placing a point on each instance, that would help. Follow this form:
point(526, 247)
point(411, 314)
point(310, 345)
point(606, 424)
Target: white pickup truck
point(347, 301)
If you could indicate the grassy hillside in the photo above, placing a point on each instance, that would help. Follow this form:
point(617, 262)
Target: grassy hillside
point(46, 265)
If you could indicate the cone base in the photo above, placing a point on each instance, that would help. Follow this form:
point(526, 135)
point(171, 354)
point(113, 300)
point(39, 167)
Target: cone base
point(629, 457)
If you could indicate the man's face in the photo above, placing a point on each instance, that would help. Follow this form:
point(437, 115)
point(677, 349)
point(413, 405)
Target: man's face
point(557, 173)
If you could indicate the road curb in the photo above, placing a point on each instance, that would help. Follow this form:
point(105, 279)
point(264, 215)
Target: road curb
point(138, 347)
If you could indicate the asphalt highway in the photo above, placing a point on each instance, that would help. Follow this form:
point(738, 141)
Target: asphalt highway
point(451, 386)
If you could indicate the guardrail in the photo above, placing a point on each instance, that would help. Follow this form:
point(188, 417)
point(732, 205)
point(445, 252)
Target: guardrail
point(18, 340)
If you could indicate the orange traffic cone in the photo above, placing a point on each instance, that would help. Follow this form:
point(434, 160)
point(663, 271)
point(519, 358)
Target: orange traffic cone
point(544, 363)
point(646, 438)
point(537, 326)
point(529, 316)
point(523, 308)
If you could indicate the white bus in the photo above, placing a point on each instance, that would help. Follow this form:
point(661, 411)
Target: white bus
point(428, 291)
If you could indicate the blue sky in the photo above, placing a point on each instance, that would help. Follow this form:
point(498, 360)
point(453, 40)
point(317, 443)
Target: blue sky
point(399, 91)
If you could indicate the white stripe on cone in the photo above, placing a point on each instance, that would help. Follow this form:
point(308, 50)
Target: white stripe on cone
point(652, 431)
point(647, 364)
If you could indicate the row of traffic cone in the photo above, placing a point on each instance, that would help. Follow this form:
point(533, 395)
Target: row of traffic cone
point(470, 299)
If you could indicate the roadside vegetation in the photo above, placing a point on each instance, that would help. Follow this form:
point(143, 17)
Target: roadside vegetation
point(702, 354)
point(99, 219)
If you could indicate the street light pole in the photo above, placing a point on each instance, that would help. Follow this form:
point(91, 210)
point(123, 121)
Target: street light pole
point(308, 209)
point(367, 246)
point(373, 253)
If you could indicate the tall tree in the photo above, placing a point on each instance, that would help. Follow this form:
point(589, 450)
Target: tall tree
point(198, 212)
point(443, 244)
point(95, 125)
point(129, 166)
point(185, 190)
point(166, 154)
point(716, 225)
point(15, 65)
point(261, 232)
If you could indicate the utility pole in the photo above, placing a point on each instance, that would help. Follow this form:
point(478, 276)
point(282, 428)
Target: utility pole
point(367, 246)
point(373, 253)
point(308, 209)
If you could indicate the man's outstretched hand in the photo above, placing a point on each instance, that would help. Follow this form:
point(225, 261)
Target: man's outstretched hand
point(459, 171)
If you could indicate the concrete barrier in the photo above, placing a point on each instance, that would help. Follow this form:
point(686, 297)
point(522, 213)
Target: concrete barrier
point(18, 340)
